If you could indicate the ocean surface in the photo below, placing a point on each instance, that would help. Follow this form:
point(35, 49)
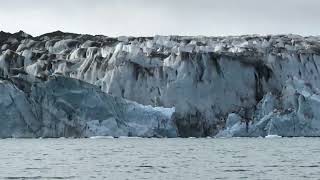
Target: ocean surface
point(140, 158)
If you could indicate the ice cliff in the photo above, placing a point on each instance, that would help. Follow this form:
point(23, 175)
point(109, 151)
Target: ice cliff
point(65, 107)
point(219, 86)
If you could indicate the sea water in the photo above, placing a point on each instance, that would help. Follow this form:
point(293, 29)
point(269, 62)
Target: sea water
point(151, 158)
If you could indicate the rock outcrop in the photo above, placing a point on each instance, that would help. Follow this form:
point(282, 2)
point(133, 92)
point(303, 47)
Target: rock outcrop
point(225, 86)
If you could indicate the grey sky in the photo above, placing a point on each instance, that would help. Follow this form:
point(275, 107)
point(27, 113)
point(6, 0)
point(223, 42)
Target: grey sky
point(164, 17)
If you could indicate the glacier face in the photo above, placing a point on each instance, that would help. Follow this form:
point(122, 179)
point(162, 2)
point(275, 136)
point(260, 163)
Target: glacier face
point(225, 86)
point(65, 107)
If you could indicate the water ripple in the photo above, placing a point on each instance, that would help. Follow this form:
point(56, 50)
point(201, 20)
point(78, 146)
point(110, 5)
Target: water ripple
point(230, 158)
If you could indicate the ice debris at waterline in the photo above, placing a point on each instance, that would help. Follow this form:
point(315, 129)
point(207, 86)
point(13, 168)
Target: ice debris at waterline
point(219, 86)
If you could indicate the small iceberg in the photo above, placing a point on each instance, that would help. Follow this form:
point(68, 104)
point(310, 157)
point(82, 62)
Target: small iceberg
point(101, 137)
point(273, 136)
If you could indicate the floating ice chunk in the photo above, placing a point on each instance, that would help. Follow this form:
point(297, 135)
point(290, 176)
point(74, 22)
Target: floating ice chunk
point(273, 136)
point(102, 137)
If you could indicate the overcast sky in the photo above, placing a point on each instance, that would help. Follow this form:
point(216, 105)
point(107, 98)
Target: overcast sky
point(163, 17)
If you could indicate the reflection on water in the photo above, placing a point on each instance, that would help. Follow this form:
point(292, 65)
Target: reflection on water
point(235, 158)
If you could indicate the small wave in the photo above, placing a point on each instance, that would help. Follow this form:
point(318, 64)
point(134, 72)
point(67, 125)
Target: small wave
point(40, 177)
point(310, 166)
point(236, 170)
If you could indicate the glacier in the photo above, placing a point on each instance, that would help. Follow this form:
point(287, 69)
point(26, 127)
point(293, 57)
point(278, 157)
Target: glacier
point(74, 85)
point(65, 107)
